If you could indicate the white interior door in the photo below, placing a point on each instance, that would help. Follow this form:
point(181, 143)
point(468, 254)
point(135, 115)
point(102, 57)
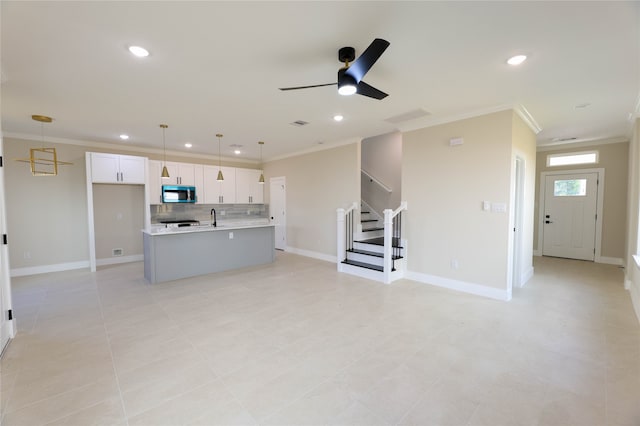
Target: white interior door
point(277, 210)
point(569, 220)
point(6, 330)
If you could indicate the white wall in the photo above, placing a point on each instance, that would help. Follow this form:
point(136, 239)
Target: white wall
point(444, 187)
point(524, 147)
point(317, 184)
point(382, 159)
point(632, 278)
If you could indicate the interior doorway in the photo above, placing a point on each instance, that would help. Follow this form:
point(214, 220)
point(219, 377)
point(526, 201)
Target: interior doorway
point(277, 210)
point(569, 215)
point(7, 325)
point(518, 197)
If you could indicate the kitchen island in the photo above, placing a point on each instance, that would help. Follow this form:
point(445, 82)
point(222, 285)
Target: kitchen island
point(171, 254)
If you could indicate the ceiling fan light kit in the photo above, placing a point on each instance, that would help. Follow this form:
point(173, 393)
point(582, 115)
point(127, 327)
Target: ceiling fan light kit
point(350, 76)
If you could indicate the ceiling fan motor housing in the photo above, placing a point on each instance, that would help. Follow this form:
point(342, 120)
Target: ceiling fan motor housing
point(347, 54)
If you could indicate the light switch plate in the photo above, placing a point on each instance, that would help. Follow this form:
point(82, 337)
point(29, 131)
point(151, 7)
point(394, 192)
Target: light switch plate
point(486, 206)
point(499, 207)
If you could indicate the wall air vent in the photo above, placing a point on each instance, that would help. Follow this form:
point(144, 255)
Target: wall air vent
point(299, 123)
point(563, 139)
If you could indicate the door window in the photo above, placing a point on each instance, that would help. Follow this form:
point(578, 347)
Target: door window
point(570, 188)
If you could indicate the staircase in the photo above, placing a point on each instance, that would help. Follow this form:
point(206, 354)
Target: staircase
point(364, 251)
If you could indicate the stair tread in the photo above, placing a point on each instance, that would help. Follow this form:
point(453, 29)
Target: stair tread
point(373, 229)
point(379, 241)
point(363, 265)
point(368, 220)
point(372, 253)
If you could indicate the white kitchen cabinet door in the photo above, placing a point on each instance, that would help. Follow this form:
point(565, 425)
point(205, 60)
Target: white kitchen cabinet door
point(113, 168)
point(248, 190)
point(155, 182)
point(181, 174)
point(132, 169)
point(219, 192)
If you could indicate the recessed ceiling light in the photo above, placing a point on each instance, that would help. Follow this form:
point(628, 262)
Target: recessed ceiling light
point(516, 60)
point(237, 152)
point(124, 137)
point(140, 52)
point(188, 145)
point(338, 117)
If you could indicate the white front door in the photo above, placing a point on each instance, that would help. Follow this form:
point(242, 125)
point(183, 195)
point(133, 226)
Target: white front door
point(569, 220)
point(277, 210)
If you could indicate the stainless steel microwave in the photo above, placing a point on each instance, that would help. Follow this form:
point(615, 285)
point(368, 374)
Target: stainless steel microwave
point(178, 194)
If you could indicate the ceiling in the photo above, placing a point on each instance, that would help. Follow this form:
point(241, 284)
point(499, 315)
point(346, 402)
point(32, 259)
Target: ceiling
point(215, 67)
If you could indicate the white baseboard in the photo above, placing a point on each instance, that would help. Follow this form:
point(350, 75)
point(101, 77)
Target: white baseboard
point(313, 254)
point(119, 259)
point(466, 287)
point(525, 277)
point(610, 260)
point(45, 269)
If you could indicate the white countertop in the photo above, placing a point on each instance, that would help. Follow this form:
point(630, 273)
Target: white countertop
point(228, 226)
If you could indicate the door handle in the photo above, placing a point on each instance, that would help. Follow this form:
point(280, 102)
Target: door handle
point(547, 221)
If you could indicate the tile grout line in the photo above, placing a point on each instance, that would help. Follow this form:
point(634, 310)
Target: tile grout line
point(217, 377)
point(113, 362)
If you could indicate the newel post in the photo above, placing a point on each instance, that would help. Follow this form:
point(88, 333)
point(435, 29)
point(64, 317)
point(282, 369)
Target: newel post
point(388, 244)
point(341, 235)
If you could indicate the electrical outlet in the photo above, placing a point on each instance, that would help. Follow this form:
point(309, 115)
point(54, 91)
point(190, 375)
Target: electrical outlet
point(119, 216)
point(231, 235)
point(454, 264)
point(27, 255)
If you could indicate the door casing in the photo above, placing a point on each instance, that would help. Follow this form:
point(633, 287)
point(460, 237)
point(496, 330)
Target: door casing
point(599, 206)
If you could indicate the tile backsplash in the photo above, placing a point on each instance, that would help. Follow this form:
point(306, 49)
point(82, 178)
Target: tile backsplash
point(202, 212)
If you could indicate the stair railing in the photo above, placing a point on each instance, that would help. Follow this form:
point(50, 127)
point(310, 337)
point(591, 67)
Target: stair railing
point(392, 234)
point(346, 228)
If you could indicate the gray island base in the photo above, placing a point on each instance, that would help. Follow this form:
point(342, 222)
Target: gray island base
point(180, 254)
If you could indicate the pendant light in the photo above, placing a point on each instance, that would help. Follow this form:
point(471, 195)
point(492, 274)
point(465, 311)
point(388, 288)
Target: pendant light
point(261, 180)
point(220, 177)
point(43, 161)
point(165, 172)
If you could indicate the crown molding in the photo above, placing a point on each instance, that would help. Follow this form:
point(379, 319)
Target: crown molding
point(581, 143)
point(526, 116)
point(320, 147)
point(124, 148)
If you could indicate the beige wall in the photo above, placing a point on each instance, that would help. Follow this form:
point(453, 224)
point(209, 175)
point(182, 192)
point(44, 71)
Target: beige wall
point(47, 216)
point(382, 158)
point(317, 184)
point(524, 147)
point(614, 158)
point(444, 187)
point(118, 214)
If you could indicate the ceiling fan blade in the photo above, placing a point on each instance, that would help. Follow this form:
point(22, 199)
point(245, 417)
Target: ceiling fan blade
point(307, 87)
point(369, 57)
point(365, 90)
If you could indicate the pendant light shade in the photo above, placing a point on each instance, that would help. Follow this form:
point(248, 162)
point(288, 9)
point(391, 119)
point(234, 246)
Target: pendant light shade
point(261, 180)
point(220, 176)
point(165, 172)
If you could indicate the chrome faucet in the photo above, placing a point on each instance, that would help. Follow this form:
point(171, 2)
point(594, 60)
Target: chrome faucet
point(213, 218)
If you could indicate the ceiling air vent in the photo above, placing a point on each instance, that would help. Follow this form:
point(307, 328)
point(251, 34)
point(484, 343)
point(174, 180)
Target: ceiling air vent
point(410, 115)
point(299, 123)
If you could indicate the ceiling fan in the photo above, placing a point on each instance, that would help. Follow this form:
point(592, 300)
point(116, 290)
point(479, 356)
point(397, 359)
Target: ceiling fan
point(350, 76)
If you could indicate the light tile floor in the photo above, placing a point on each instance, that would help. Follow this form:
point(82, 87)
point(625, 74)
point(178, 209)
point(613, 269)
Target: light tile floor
point(295, 342)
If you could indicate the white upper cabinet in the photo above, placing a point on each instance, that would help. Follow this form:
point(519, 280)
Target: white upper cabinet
point(248, 189)
point(155, 182)
point(181, 174)
point(223, 192)
point(113, 168)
